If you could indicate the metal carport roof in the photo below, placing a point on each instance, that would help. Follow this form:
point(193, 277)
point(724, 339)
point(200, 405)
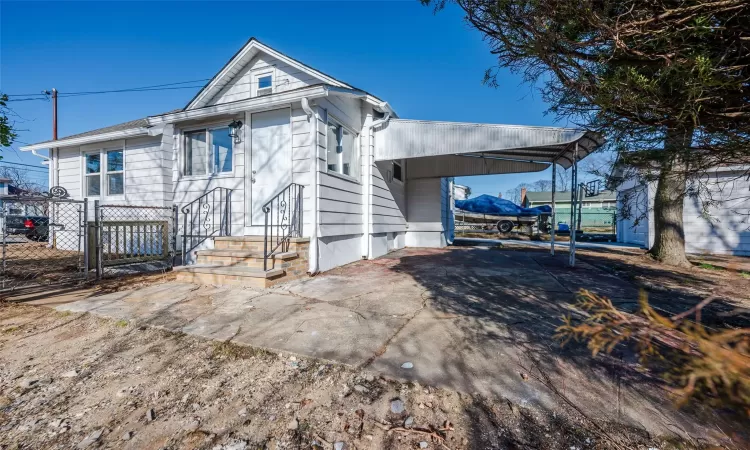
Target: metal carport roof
point(403, 138)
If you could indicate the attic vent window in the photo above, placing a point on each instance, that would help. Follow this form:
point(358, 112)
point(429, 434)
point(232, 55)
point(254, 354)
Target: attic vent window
point(265, 85)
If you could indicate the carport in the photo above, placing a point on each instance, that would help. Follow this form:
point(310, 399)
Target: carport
point(451, 149)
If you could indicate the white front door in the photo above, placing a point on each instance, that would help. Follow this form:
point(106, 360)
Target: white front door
point(271, 158)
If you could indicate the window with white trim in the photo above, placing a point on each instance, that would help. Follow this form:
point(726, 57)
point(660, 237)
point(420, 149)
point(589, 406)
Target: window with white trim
point(342, 154)
point(93, 174)
point(263, 84)
point(115, 173)
point(208, 151)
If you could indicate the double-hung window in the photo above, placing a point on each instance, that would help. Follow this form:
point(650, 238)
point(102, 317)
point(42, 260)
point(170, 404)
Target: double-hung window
point(208, 151)
point(343, 151)
point(115, 173)
point(93, 174)
point(104, 172)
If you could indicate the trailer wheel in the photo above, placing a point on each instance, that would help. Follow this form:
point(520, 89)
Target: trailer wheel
point(504, 226)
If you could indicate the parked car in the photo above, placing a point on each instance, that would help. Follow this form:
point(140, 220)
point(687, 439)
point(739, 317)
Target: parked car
point(35, 228)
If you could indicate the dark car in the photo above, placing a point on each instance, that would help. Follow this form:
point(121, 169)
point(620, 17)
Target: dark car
point(35, 228)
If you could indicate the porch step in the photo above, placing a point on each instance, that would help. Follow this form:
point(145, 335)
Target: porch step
point(244, 258)
point(223, 275)
point(253, 243)
point(238, 260)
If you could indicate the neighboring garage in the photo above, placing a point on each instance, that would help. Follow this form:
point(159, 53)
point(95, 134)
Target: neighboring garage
point(721, 227)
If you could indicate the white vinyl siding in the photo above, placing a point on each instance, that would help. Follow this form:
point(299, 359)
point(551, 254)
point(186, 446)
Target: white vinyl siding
point(723, 229)
point(146, 170)
point(388, 200)
point(302, 143)
point(244, 82)
point(340, 196)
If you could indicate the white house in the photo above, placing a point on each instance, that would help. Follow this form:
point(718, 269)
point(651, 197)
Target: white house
point(370, 181)
point(720, 228)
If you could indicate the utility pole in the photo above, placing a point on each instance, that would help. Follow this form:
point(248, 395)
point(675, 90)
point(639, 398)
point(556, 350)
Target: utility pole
point(54, 114)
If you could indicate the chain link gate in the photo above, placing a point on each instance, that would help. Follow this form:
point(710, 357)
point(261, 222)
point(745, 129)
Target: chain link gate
point(43, 242)
point(132, 239)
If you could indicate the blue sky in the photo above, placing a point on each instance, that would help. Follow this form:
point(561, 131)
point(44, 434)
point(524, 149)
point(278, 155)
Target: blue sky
point(427, 66)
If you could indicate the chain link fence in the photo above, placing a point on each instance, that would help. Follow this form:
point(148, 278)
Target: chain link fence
point(50, 241)
point(43, 242)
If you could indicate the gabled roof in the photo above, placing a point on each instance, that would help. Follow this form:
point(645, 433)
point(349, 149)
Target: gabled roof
point(242, 57)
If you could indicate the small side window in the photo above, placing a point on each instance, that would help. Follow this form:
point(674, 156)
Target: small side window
point(264, 84)
point(398, 173)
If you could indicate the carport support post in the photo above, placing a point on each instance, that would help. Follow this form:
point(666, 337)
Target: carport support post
point(552, 232)
point(573, 205)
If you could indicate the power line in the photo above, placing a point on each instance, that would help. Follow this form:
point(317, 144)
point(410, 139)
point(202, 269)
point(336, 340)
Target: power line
point(20, 164)
point(157, 87)
point(142, 88)
point(165, 86)
point(27, 99)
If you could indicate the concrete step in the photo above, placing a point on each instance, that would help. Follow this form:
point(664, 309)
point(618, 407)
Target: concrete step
point(233, 276)
point(243, 258)
point(251, 243)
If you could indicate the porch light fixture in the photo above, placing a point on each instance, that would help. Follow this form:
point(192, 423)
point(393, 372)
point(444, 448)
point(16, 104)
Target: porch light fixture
point(234, 130)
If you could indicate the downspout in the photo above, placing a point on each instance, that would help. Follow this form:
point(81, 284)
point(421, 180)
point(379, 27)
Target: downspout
point(313, 250)
point(368, 179)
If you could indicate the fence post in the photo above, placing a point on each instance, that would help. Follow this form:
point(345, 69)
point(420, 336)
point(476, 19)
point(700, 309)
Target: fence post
point(175, 222)
point(98, 240)
point(86, 239)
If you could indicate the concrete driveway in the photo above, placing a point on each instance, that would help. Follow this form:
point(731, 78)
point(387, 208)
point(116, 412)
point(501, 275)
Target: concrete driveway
point(472, 319)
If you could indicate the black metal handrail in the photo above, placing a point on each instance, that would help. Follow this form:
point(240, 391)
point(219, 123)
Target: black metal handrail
point(283, 221)
point(206, 216)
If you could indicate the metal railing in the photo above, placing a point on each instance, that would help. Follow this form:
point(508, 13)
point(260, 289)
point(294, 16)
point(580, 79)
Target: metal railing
point(283, 221)
point(207, 216)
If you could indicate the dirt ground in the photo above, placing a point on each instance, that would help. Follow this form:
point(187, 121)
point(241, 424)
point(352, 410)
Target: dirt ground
point(70, 380)
point(723, 278)
point(78, 381)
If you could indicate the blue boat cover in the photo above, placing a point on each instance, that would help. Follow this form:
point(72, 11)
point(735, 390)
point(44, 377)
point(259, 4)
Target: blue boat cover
point(487, 204)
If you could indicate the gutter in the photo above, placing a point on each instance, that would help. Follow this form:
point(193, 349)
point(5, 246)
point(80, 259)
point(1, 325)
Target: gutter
point(249, 104)
point(111, 136)
point(46, 158)
point(367, 247)
point(312, 116)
